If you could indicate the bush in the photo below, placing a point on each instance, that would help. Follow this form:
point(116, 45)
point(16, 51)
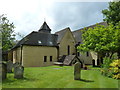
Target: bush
point(115, 65)
point(105, 66)
point(106, 62)
point(111, 69)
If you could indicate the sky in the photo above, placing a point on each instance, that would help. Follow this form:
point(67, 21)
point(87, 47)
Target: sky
point(29, 15)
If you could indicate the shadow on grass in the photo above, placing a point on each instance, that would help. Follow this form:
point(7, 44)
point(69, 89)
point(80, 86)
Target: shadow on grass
point(84, 80)
point(8, 80)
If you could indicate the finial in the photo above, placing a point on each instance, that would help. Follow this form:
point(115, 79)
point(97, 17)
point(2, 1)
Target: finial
point(44, 20)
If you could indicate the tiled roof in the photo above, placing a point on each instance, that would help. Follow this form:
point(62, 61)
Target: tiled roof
point(45, 28)
point(78, 34)
point(61, 34)
point(68, 59)
point(38, 39)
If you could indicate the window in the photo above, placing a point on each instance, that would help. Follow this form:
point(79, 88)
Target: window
point(45, 58)
point(68, 50)
point(39, 42)
point(50, 58)
point(51, 43)
point(87, 54)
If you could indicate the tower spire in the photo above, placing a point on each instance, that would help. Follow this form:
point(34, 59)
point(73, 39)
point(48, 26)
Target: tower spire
point(45, 28)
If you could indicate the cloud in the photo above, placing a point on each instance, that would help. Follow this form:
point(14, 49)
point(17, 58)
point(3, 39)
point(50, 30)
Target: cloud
point(28, 15)
point(77, 15)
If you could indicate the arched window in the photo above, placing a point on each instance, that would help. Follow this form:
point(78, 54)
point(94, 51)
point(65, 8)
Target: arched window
point(68, 50)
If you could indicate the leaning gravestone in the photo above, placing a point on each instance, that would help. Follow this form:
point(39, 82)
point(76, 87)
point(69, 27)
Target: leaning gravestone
point(3, 71)
point(9, 66)
point(18, 72)
point(77, 70)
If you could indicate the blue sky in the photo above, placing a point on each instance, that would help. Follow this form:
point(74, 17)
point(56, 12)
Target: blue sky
point(29, 15)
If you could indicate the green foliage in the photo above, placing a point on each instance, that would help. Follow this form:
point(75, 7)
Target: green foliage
point(112, 70)
point(106, 62)
point(7, 35)
point(101, 39)
point(106, 66)
point(112, 14)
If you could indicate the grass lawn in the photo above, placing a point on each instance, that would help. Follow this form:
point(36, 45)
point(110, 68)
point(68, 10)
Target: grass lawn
point(59, 77)
point(0, 85)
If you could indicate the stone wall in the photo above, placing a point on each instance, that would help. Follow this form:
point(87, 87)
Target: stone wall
point(84, 58)
point(33, 56)
point(67, 40)
point(16, 55)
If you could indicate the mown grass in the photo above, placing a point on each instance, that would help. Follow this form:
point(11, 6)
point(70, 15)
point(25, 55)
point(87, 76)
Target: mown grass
point(0, 85)
point(59, 77)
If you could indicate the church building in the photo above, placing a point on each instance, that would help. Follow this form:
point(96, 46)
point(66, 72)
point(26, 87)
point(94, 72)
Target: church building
point(41, 48)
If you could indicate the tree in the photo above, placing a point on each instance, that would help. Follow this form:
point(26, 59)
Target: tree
point(105, 40)
point(112, 14)
point(6, 33)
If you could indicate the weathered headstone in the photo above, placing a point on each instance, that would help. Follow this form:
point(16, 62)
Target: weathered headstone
point(3, 71)
point(16, 64)
point(9, 66)
point(77, 71)
point(18, 72)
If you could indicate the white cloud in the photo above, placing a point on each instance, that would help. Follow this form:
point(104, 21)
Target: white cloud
point(28, 15)
point(83, 0)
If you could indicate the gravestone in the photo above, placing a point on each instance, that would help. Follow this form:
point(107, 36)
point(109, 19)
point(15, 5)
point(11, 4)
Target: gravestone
point(18, 72)
point(93, 63)
point(77, 71)
point(9, 66)
point(0, 72)
point(3, 71)
point(16, 64)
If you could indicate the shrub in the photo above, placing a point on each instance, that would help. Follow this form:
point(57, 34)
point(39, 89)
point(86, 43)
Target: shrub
point(111, 69)
point(115, 65)
point(105, 66)
point(106, 62)
point(116, 76)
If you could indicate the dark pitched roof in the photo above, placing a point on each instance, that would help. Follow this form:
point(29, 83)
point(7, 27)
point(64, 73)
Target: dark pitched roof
point(68, 59)
point(38, 39)
point(78, 34)
point(44, 28)
point(61, 58)
point(61, 33)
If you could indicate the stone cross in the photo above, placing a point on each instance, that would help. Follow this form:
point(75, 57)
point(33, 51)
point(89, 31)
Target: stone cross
point(77, 71)
point(9, 66)
point(18, 72)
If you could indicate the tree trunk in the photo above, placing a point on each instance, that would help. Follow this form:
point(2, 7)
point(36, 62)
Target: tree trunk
point(118, 54)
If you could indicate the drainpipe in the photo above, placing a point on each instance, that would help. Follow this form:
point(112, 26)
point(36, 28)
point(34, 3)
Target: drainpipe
point(57, 53)
point(21, 55)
